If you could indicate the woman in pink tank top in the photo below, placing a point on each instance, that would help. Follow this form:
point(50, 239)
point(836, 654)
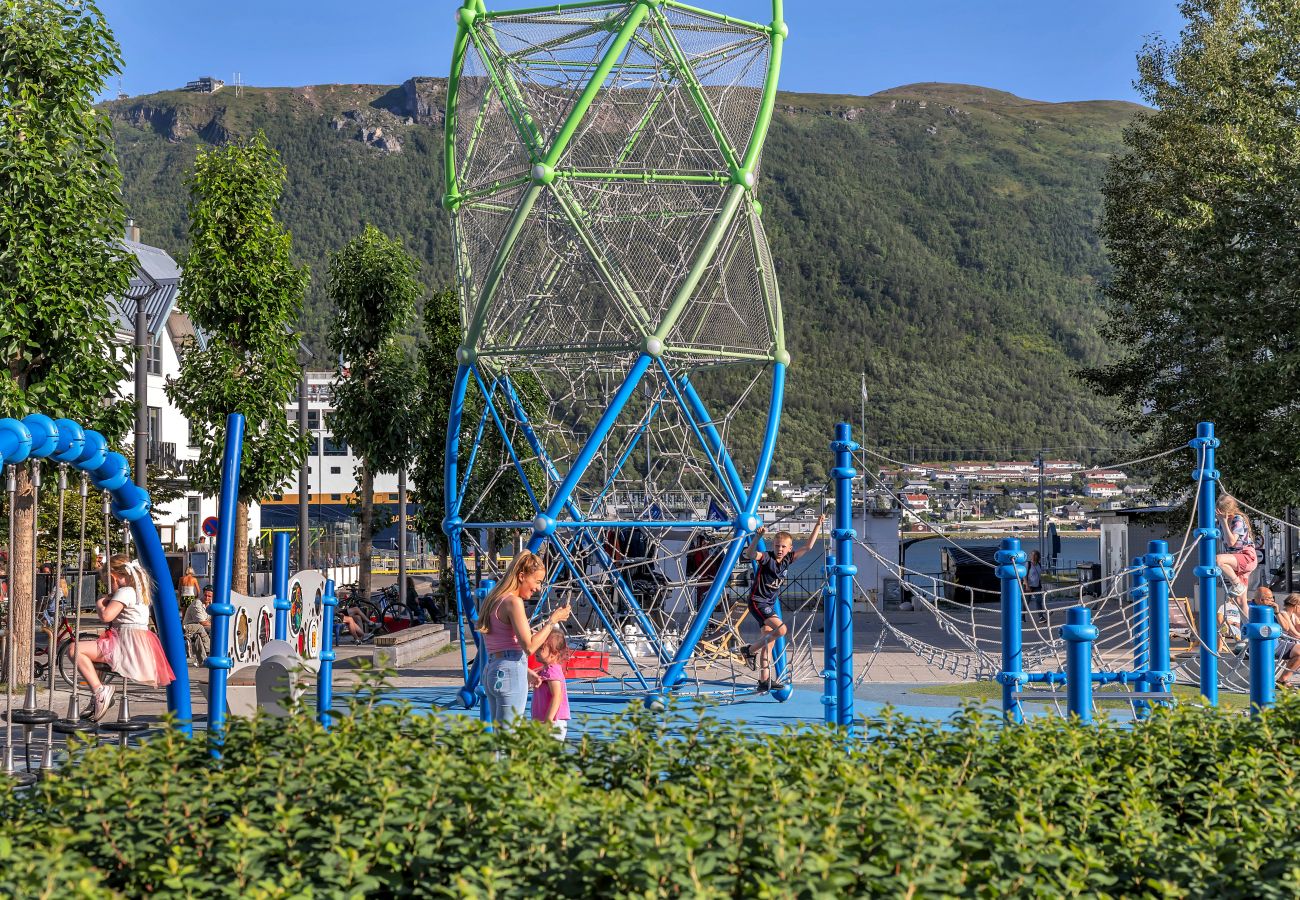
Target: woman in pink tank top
point(508, 639)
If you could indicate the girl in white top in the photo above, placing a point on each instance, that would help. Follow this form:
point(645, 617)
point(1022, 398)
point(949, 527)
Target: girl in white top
point(128, 647)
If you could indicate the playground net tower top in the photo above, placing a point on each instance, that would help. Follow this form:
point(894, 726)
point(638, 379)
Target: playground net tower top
point(601, 168)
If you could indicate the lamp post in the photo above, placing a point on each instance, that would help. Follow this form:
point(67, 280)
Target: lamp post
point(304, 480)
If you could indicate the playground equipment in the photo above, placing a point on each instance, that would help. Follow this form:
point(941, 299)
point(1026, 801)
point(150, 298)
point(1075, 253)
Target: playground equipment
point(616, 284)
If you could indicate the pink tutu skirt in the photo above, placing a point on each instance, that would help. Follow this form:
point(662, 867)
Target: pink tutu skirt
point(136, 654)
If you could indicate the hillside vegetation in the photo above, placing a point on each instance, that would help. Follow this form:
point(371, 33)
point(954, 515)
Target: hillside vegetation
point(941, 237)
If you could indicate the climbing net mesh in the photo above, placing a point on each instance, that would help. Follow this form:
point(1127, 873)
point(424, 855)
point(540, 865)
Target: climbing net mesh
point(587, 263)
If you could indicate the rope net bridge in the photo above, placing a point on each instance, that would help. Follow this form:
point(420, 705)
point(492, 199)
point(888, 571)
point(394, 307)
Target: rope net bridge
point(623, 363)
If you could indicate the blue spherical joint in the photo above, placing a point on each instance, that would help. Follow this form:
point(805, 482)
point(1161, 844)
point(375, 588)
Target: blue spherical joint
point(783, 694)
point(543, 525)
point(1158, 566)
point(15, 441)
point(131, 503)
point(1208, 533)
point(1079, 629)
point(656, 702)
point(1012, 572)
point(45, 434)
point(843, 569)
point(844, 534)
point(1008, 557)
point(113, 472)
point(72, 438)
point(1012, 678)
point(451, 525)
point(1207, 474)
point(1206, 571)
point(468, 698)
point(1261, 631)
point(93, 451)
point(747, 524)
point(844, 473)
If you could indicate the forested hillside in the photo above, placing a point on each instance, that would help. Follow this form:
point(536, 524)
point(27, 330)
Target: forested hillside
point(941, 237)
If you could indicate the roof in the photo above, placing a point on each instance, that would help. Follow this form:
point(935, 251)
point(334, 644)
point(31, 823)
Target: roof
point(156, 283)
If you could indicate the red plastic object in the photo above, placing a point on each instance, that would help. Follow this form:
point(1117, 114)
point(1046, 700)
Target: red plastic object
point(581, 664)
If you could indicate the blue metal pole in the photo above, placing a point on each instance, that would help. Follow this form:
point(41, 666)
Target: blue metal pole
point(830, 680)
point(1159, 564)
point(1079, 634)
point(1139, 592)
point(325, 676)
point(480, 660)
point(219, 662)
point(1206, 477)
point(280, 586)
point(844, 534)
point(1011, 568)
point(1262, 632)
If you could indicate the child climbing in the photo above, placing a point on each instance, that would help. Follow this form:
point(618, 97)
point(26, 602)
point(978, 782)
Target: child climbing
point(551, 699)
point(1240, 559)
point(127, 646)
point(763, 597)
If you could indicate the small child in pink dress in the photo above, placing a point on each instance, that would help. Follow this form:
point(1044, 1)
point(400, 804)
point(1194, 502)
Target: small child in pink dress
point(551, 699)
point(127, 646)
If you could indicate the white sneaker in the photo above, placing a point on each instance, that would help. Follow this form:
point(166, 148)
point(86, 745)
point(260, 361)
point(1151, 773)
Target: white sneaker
point(103, 700)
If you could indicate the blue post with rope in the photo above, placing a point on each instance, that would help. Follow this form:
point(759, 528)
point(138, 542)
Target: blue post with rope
point(1262, 632)
point(1010, 569)
point(280, 585)
point(831, 706)
point(219, 662)
point(1139, 593)
point(484, 588)
point(1079, 634)
point(1206, 477)
point(844, 534)
point(1158, 562)
point(325, 677)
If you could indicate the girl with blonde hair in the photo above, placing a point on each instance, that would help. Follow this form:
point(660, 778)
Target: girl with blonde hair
point(507, 638)
point(127, 646)
point(1239, 542)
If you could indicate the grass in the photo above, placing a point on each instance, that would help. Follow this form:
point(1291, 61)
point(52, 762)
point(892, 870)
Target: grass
point(992, 691)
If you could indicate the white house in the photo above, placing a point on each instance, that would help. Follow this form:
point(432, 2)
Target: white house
point(1101, 489)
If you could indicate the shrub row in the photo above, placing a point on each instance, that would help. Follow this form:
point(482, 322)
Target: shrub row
point(395, 803)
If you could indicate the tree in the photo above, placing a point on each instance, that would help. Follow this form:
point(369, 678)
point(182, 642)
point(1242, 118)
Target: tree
point(373, 284)
point(60, 219)
point(1200, 218)
point(244, 294)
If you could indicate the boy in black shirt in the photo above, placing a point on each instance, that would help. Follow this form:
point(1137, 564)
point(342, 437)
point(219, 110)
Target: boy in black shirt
point(763, 596)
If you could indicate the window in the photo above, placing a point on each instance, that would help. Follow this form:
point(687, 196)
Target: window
point(154, 364)
point(335, 470)
point(336, 496)
point(192, 520)
point(313, 420)
point(334, 446)
point(155, 424)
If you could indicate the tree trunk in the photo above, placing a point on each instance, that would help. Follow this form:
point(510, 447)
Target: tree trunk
point(21, 592)
point(239, 570)
point(365, 546)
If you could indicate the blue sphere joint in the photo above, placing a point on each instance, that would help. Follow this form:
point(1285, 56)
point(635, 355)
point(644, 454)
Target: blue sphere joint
point(544, 525)
point(656, 702)
point(844, 472)
point(15, 441)
point(467, 698)
point(1079, 634)
point(113, 472)
point(1012, 571)
point(72, 438)
point(93, 451)
point(131, 503)
point(45, 434)
point(451, 525)
point(783, 695)
point(747, 524)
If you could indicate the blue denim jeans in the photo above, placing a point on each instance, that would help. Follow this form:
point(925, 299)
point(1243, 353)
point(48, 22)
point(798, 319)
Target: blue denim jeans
point(505, 682)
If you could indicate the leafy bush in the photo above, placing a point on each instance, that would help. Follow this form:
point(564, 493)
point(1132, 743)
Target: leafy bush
point(391, 802)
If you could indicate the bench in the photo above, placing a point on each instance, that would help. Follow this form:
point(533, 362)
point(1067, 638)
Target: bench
point(410, 645)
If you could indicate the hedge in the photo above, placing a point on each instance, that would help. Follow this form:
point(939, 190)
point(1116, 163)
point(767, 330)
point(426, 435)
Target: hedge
point(392, 802)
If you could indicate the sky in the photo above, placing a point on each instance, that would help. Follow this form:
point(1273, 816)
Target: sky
point(1054, 50)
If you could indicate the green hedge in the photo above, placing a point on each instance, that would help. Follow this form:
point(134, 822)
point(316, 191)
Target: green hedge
point(389, 803)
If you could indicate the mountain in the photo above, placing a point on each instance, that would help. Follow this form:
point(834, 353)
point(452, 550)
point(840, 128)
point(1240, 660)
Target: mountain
point(940, 237)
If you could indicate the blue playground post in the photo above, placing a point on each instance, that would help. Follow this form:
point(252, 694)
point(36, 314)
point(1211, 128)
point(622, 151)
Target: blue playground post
point(1262, 632)
point(219, 662)
point(325, 677)
point(280, 585)
point(485, 587)
point(1158, 564)
point(1079, 634)
point(831, 706)
point(1139, 592)
point(1206, 477)
point(1011, 568)
point(844, 535)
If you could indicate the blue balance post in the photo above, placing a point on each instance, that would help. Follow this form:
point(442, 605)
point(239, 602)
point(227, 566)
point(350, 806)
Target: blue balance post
point(843, 534)
point(1011, 568)
point(325, 677)
point(219, 662)
point(466, 697)
point(1139, 593)
point(280, 586)
point(1079, 634)
point(1206, 477)
point(1262, 632)
point(831, 706)
point(1159, 566)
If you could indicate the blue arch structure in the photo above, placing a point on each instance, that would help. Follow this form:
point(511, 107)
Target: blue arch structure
point(64, 441)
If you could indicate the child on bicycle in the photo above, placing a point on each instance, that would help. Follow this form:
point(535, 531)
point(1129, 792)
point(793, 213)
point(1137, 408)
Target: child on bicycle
point(764, 595)
point(551, 698)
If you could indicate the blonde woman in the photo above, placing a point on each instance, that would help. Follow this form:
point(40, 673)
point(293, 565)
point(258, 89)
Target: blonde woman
point(1239, 542)
point(127, 646)
point(507, 638)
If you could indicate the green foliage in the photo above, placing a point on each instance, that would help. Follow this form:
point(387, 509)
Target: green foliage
point(242, 290)
point(1201, 226)
point(1193, 802)
point(941, 236)
point(60, 216)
